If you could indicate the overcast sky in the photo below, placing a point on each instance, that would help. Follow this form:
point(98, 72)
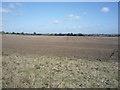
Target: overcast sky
point(60, 17)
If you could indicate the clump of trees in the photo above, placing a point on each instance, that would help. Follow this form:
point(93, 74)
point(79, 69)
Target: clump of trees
point(65, 34)
point(61, 34)
point(48, 34)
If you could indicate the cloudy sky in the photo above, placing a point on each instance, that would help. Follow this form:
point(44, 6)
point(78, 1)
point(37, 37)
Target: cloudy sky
point(60, 17)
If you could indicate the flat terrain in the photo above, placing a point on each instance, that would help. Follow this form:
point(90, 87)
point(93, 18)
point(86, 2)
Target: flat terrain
point(90, 48)
point(29, 71)
point(59, 62)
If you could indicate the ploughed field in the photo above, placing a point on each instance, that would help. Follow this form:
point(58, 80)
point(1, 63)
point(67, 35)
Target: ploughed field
point(59, 62)
point(90, 48)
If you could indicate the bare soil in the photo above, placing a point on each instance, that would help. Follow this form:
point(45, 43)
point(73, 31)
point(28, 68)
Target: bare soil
point(91, 48)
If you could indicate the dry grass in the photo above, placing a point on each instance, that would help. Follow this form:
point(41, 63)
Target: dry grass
point(25, 71)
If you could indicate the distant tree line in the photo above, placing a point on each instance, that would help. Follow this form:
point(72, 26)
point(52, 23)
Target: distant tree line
point(61, 34)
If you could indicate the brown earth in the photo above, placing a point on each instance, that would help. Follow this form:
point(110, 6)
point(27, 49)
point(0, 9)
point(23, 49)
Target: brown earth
point(91, 48)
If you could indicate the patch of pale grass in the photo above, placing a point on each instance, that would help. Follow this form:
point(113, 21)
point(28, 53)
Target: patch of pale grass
point(24, 71)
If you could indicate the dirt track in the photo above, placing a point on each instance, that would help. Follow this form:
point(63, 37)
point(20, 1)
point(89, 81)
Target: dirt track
point(91, 48)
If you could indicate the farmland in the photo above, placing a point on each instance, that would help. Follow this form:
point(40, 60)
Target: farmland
point(91, 48)
point(59, 61)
